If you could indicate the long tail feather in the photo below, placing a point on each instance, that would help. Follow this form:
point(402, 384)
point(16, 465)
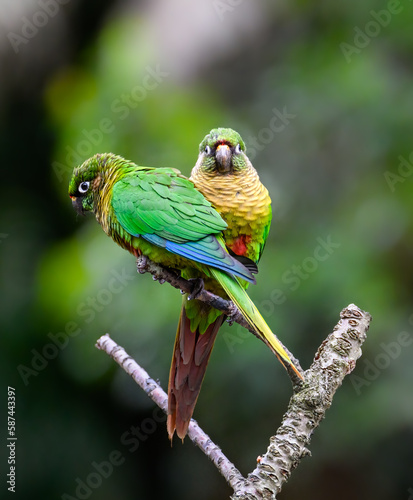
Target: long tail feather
point(250, 312)
point(189, 362)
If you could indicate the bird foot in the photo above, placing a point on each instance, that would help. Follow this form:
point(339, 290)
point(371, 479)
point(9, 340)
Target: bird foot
point(141, 263)
point(233, 310)
point(161, 281)
point(197, 287)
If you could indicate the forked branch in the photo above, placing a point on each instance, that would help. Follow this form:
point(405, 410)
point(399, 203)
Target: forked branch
point(335, 358)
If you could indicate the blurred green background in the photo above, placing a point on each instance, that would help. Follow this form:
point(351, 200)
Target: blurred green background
point(323, 97)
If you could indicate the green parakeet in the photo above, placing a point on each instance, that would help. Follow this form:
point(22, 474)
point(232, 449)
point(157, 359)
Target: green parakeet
point(157, 212)
point(226, 177)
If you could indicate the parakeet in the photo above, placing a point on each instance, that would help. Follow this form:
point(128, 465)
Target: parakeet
point(226, 177)
point(157, 212)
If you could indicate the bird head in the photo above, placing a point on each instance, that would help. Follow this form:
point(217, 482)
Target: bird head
point(222, 151)
point(87, 181)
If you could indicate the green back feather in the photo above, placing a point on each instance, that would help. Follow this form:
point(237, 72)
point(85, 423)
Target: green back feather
point(159, 201)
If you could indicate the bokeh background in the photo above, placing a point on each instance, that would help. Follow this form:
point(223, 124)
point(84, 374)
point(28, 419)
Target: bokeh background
point(323, 97)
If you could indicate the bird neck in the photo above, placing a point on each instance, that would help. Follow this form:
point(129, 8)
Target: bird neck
point(103, 185)
point(238, 182)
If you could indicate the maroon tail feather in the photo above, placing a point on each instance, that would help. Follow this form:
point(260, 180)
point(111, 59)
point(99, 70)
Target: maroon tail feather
point(189, 362)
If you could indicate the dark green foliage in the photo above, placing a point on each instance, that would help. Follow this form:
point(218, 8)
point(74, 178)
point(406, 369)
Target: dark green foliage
point(339, 170)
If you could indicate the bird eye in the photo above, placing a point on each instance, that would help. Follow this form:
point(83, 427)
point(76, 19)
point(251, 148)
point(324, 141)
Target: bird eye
point(207, 150)
point(83, 187)
point(238, 148)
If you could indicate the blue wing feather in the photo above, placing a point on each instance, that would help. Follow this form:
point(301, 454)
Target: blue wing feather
point(207, 251)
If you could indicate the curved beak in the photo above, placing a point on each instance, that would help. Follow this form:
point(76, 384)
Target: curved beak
point(77, 205)
point(223, 158)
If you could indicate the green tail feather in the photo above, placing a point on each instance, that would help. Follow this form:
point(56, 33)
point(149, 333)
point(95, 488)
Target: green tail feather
point(248, 309)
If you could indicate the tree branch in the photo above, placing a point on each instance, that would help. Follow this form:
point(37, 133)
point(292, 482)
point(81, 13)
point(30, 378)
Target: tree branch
point(158, 396)
point(162, 274)
point(335, 358)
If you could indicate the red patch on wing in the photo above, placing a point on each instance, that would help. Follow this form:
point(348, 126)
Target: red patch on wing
point(239, 246)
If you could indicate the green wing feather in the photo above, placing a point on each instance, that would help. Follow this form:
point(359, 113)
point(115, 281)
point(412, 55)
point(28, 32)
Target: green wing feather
point(264, 237)
point(163, 203)
point(172, 214)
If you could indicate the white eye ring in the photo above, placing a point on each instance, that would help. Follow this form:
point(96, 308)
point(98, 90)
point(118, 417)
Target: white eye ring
point(238, 148)
point(83, 187)
point(207, 150)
